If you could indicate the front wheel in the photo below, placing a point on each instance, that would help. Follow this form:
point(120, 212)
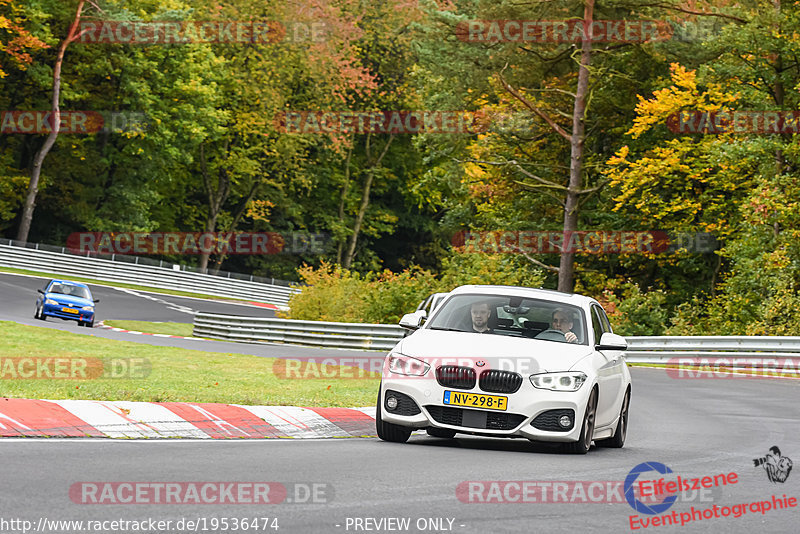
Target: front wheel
point(584, 442)
point(389, 431)
point(621, 431)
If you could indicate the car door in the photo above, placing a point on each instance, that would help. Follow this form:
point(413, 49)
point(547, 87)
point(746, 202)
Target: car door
point(612, 370)
point(606, 379)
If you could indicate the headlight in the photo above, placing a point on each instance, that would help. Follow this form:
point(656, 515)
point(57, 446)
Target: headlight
point(406, 365)
point(88, 308)
point(51, 302)
point(571, 381)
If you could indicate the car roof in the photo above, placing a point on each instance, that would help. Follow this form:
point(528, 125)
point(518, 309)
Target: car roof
point(68, 282)
point(544, 294)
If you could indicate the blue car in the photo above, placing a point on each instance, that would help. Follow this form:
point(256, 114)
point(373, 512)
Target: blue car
point(66, 300)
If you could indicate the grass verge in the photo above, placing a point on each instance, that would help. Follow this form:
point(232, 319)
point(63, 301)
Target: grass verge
point(175, 374)
point(12, 270)
point(172, 329)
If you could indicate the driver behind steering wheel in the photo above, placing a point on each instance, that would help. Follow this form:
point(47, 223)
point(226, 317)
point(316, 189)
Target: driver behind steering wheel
point(563, 322)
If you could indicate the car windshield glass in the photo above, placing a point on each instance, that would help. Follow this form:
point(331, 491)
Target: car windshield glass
point(66, 289)
point(512, 316)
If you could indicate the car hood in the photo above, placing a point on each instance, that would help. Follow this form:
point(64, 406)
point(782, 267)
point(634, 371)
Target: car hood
point(496, 351)
point(71, 300)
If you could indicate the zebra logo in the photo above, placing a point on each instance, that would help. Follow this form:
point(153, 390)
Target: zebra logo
point(777, 467)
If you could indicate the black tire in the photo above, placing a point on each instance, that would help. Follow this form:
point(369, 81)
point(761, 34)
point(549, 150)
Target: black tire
point(618, 440)
point(36, 312)
point(89, 324)
point(389, 431)
point(42, 316)
point(443, 433)
point(584, 443)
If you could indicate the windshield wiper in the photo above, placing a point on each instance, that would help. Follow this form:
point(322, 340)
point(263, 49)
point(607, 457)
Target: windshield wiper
point(445, 329)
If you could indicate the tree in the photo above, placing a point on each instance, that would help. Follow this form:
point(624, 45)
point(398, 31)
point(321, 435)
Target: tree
point(38, 160)
point(16, 42)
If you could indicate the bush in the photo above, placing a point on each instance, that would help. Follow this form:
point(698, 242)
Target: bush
point(497, 269)
point(333, 294)
point(336, 294)
point(631, 311)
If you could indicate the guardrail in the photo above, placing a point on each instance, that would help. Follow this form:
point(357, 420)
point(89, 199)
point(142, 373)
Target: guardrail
point(142, 271)
point(316, 333)
point(759, 352)
point(657, 349)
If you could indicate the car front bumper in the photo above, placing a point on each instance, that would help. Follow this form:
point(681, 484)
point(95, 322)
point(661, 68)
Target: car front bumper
point(51, 310)
point(524, 406)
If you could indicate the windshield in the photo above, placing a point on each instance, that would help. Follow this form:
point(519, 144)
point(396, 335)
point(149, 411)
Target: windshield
point(512, 316)
point(66, 289)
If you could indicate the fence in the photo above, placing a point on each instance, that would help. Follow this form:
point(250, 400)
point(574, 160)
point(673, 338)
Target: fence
point(658, 350)
point(142, 271)
point(756, 352)
point(316, 333)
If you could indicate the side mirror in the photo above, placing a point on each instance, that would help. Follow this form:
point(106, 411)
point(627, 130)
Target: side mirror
point(413, 321)
point(609, 341)
point(40, 291)
point(96, 301)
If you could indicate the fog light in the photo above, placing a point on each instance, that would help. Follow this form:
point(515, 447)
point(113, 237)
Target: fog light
point(391, 403)
point(565, 421)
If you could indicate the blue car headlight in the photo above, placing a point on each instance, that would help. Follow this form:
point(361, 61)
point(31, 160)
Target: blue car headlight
point(88, 308)
point(51, 302)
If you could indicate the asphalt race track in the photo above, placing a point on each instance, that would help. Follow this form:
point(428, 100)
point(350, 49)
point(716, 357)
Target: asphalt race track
point(18, 298)
point(696, 427)
point(18, 293)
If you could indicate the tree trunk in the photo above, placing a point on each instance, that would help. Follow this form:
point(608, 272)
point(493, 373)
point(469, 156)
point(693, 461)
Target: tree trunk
point(566, 268)
point(211, 224)
point(779, 94)
point(235, 222)
point(343, 198)
point(362, 210)
point(38, 160)
point(216, 198)
point(351, 250)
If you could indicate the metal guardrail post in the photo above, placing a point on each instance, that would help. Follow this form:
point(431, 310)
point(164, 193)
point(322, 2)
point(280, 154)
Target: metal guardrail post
point(741, 351)
point(38, 259)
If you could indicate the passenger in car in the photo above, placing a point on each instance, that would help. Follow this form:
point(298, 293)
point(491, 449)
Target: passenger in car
point(563, 322)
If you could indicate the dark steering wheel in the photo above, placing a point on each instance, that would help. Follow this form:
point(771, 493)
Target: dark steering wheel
point(551, 335)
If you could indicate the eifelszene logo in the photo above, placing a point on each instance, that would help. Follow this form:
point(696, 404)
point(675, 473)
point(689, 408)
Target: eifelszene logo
point(630, 486)
point(777, 467)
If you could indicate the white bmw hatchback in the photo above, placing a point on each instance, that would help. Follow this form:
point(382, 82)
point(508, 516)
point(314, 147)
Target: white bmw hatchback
point(507, 361)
